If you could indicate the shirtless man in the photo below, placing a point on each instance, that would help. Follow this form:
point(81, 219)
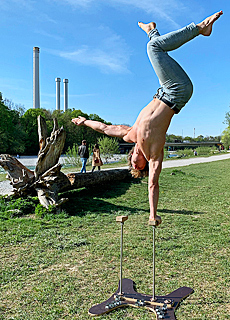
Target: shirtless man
point(148, 132)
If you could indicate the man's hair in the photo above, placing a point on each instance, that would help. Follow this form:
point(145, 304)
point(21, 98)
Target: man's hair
point(135, 172)
point(83, 141)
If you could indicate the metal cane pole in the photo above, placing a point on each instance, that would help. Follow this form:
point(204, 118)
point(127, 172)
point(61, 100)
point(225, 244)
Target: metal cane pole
point(121, 219)
point(153, 223)
point(154, 227)
point(121, 258)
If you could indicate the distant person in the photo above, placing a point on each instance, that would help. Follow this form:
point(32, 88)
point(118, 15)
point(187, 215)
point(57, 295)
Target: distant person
point(195, 153)
point(151, 125)
point(96, 161)
point(83, 152)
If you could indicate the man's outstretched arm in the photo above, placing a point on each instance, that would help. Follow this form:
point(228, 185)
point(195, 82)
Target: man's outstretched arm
point(119, 131)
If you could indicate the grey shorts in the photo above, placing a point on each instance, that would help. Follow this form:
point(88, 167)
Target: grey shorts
point(177, 98)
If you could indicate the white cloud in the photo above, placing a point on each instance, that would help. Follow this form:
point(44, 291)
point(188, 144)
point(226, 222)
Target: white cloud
point(97, 57)
point(111, 54)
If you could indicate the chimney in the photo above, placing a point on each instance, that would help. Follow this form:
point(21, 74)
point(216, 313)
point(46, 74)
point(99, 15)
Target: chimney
point(58, 80)
point(65, 94)
point(36, 89)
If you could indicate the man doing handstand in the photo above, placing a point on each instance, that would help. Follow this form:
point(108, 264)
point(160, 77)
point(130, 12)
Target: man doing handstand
point(148, 132)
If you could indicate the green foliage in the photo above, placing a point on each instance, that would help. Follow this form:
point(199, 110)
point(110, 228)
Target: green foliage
point(200, 138)
point(205, 151)
point(225, 139)
point(11, 207)
point(108, 147)
point(72, 158)
point(227, 118)
point(12, 135)
point(30, 125)
point(41, 211)
point(185, 153)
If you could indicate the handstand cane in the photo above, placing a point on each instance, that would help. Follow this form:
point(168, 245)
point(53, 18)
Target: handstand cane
point(153, 223)
point(162, 306)
point(121, 219)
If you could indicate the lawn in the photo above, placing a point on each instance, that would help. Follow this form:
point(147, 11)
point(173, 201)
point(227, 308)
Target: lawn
point(59, 266)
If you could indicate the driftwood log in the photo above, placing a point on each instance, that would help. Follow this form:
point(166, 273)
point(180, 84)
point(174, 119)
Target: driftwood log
point(47, 180)
point(79, 180)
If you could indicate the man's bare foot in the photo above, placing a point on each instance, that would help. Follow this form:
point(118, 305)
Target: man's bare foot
point(147, 27)
point(205, 27)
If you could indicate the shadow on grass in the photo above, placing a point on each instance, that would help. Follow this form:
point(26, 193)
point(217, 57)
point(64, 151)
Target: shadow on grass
point(185, 212)
point(93, 200)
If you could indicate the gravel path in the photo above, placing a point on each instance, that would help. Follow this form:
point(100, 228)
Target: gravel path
point(6, 188)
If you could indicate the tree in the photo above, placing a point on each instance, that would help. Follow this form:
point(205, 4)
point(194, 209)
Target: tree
point(173, 138)
point(12, 136)
point(225, 138)
point(108, 147)
point(30, 125)
point(227, 118)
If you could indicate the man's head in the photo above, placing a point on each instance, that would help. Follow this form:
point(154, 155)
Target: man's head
point(138, 165)
point(83, 142)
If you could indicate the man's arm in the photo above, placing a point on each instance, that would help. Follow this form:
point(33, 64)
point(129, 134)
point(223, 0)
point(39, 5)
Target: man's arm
point(155, 166)
point(119, 131)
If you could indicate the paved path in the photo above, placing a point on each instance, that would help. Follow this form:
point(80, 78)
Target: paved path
point(187, 162)
point(6, 188)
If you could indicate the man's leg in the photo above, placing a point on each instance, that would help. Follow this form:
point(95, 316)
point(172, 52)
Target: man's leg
point(84, 164)
point(82, 168)
point(160, 45)
point(174, 80)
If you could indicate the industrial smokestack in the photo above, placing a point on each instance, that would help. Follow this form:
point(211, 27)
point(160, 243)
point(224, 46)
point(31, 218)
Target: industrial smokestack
point(65, 94)
point(36, 89)
point(58, 80)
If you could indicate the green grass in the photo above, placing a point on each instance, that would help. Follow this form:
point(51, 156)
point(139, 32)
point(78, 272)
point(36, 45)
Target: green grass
point(59, 266)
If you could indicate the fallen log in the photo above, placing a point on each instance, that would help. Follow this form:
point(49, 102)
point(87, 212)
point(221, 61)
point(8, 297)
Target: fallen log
point(79, 180)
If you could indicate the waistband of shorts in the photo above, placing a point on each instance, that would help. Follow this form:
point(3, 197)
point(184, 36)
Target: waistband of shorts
point(170, 104)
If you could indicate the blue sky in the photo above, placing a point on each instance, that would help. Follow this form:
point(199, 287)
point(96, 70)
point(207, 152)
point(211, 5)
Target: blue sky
point(97, 45)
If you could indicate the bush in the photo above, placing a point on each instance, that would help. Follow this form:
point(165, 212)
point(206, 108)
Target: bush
point(185, 153)
point(204, 151)
point(72, 157)
point(11, 207)
point(41, 211)
point(108, 147)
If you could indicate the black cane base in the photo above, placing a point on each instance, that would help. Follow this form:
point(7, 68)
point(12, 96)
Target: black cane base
point(163, 307)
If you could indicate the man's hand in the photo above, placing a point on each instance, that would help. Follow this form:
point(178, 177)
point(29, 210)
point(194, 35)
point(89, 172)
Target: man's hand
point(155, 222)
point(79, 121)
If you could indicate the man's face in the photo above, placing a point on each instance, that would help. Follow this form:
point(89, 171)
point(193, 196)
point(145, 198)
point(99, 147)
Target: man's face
point(138, 160)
